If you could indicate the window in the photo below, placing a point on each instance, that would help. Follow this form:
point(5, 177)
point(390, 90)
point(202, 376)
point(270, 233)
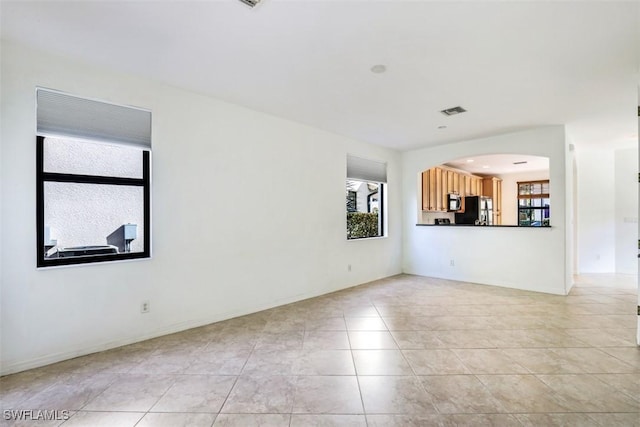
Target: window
point(533, 204)
point(352, 199)
point(365, 191)
point(93, 181)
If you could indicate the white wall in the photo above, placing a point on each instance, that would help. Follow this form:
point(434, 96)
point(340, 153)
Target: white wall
point(607, 210)
point(626, 211)
point(510, 194)
point(596, 211)
point(218, 250)
point(535, 259)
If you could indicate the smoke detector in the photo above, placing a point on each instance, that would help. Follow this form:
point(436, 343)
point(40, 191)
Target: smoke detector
point(250, 3)
point(453, 111)
point(378, 69)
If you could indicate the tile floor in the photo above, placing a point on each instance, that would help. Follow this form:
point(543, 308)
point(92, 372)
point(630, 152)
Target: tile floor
point(403, 351)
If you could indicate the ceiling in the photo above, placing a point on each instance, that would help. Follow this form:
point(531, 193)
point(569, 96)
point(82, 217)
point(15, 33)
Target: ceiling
point(500, 164)
point(512, 65)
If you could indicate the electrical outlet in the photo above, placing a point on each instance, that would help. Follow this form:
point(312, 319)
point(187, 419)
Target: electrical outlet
point(452, 263)
point(145, 307)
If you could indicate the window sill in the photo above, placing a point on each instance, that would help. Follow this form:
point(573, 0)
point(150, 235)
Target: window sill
point(367, 238)
point(51, 266)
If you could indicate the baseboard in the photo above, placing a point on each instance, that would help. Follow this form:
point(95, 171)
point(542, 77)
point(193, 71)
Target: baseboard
point(12, 367)
point(487, 282)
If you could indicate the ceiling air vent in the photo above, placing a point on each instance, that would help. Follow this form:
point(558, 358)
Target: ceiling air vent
point(453, 111)
point(251, 3)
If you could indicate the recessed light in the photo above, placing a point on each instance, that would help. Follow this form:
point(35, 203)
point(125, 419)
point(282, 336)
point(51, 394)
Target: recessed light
point(378, 69)
point(485, 166)
point(470, 160)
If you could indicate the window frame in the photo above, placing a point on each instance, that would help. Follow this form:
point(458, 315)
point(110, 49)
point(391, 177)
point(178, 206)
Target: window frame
point(381, 221)
point(42, 177)
point(541, 196)
point(368, 171)
point(382, 231)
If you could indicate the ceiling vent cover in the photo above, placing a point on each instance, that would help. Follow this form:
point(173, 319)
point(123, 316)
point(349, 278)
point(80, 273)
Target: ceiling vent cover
point(251, 3)
point(453, 111)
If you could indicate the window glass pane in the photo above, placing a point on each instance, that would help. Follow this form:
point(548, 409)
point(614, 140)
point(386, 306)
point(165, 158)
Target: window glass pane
point(373, 199)
point(90, 158)
point(352, 198)
point(92, 219)
point(545, 188)
point(363, 209)
point(537, 217)
point(533, 210)
point(524, 217)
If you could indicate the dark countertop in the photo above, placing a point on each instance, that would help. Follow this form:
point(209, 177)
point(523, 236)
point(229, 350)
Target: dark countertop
point(479, 226)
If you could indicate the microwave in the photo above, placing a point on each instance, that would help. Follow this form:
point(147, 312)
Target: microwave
point(454, 202)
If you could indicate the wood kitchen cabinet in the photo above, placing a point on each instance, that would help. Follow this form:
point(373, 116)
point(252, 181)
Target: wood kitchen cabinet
point(476, 186)
point(430, 186)
point(458, 184)
point(425, 191)
point(451, 182)
point(435, 187)
point(438, 200)
point(467, 185)
point(492, 187)
point(439, 182)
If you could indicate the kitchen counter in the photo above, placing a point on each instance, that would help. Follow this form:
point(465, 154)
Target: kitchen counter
point(480, 226)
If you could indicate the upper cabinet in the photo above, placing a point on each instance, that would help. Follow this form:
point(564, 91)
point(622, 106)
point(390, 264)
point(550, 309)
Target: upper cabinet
point(438, 182)
point(435, 188)
point(492, 187)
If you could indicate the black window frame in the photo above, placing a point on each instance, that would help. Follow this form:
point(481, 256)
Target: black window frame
point(42, 177)
point(381, 196)
point(541, 196)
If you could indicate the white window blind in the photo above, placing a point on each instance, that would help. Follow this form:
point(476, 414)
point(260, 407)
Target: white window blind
point(366, 170)
point(59, 114)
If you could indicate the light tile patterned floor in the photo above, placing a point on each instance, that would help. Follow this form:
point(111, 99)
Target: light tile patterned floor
point(403, 351)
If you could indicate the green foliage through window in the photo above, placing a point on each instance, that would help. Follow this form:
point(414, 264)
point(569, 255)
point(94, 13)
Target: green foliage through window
point(362, 224)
